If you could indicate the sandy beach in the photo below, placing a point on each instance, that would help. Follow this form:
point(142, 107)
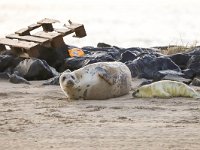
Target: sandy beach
point(40, 117)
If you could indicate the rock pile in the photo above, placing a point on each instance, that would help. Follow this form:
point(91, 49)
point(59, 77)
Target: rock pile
point(146, 63)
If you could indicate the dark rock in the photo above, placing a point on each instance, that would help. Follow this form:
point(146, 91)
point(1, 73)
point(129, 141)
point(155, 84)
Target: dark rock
point(34, 69)
point(114, 54)
point(54, 71)
point(15, 62)
point(146, 82)
point(9, 62)
point(103, 45)
point(4, 75)
point(74, 63)
point(194, 63)
point(196, 81)
point(94, 49)
point(171, 72)
point(128, 56)
point(17, 79)
point(52, 81)
point(142, 51)
point(188, 73)
point(180, 59)
point(176, 78)
point(5, 62)
point(194, 51)
point(168, 73)
point(101, 49)
point(101, 58)
point(149, 65)
point(8, 52)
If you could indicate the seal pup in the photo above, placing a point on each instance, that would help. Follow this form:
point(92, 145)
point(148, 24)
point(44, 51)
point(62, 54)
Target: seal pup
point(102, 80)
point(165, 89)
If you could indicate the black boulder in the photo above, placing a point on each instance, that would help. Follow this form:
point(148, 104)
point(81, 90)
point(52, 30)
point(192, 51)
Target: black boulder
point(148, 66)
point(34, 69)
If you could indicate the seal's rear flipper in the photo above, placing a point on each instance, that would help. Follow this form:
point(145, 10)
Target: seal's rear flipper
point(197, 97)
point(105, 75)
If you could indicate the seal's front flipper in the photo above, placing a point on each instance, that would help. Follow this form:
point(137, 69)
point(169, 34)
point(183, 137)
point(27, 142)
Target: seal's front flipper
point(105, 75)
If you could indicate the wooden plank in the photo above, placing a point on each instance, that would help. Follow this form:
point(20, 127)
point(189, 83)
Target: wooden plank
point(26, 31)
point(64, 31)
point(48, 35)
point(57, 42)
point(47, 24)
point(77, 28)
point(34, 26)
point(28, 38)
point(47, 21)
point(23, 31)
point(80, 32)
point(73, 25)
point(16, 43)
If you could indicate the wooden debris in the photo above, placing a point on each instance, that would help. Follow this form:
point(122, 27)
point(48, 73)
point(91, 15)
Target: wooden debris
point(77, 28)
point(23, 31)
point(27, 44)
point(47, 24)
point(28, 38)
point(34, 26)
point(16, 43)
point(64, 31)
point(47, 21)
point(47, 35)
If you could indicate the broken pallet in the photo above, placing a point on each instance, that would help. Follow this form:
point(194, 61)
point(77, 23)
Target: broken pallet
point(22, 41)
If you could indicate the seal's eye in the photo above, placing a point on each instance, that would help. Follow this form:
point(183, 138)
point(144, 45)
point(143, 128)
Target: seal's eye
point(137, 91)
point(63, 79)
point(72, 77)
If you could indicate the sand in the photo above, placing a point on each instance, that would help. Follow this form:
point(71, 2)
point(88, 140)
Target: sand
point(40, 117)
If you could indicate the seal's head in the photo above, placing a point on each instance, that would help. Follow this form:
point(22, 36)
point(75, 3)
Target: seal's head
point(135, 93)
point(144, 91)
point(67, 80)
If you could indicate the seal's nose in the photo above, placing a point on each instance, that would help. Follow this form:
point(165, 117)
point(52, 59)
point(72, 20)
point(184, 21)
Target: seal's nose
point(70, 83)
point(134, 93)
